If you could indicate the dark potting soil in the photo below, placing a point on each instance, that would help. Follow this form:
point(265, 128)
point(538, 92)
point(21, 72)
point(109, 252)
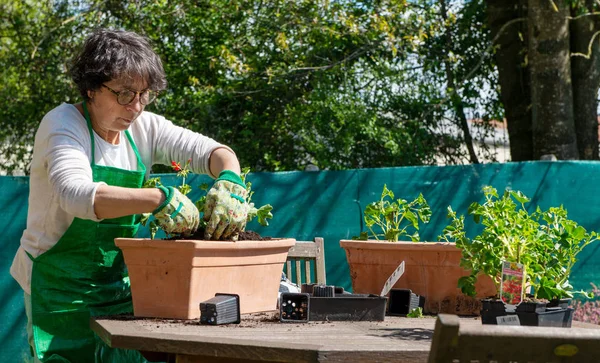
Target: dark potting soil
point(243, 236)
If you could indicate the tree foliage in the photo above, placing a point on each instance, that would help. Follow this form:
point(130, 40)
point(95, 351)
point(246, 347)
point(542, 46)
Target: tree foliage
point(285, 83)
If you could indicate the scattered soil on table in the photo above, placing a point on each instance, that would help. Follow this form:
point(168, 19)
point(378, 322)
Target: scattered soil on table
point(247, 320)
point(243, 236)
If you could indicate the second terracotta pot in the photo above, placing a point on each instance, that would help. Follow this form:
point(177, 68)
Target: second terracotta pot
point(432, 270)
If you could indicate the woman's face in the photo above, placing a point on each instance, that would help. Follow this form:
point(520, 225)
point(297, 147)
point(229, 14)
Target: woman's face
point(110, 116)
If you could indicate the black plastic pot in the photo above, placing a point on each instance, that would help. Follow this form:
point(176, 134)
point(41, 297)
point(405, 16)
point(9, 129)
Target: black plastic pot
point(221, 309)
point(493, 305)
point(568, 317)
point(307, 288)
point(294, 307)
point(552, 317)
point(531, 306)
point(403, 301)
point(323, 291)
point(563, 303)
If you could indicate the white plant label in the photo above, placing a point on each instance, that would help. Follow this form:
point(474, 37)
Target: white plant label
point(392, 279)
point(508, 320)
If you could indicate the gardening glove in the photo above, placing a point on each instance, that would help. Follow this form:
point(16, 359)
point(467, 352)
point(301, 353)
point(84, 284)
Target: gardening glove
point(177, 214)
point(226, 209)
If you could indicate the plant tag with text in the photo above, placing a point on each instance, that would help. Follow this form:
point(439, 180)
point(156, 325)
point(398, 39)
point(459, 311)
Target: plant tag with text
point(513, 277)
point(392, 279)
point(508, 320)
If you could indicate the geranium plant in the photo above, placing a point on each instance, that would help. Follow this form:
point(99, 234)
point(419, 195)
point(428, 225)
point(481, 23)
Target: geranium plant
point(390, 219)
point(545, 242)
point(264, 213)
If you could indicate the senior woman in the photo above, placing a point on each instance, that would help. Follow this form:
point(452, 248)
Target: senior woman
point(90, 160)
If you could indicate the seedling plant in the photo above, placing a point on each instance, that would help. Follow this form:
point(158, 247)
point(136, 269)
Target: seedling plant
point(263, 214)
point(545, 242)
point(389, 218)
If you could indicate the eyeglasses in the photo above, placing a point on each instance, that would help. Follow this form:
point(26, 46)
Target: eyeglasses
point(127, 96)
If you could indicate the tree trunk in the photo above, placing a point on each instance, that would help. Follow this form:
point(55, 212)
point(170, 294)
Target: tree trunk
point(513, 73)
point(457, 102)
point(585, 72)
point(550, 69)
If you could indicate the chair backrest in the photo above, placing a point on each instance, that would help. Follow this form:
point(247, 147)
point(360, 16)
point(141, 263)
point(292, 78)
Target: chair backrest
point(303, 253)
point(523, 344)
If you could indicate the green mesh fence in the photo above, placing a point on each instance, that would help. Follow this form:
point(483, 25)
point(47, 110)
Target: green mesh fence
point(329, 204)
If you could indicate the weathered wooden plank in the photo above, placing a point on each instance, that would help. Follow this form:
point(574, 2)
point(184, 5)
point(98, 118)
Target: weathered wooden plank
point(446, 330)
point(303, 250)
point(263, 337)
point(298, 272)
point(320, 262)
point(271, 340)
point(454, 340)
point(307, 271)
point(288, 269)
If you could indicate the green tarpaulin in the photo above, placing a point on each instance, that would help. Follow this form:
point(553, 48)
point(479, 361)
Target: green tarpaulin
point(329, 204)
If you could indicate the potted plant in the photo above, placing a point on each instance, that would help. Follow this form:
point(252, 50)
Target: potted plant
point(432, 269)
point(170, 277)
point(545, 243)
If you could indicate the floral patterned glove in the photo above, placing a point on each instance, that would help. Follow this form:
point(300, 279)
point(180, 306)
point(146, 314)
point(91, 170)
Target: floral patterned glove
point(226, 209)
point(177, 214)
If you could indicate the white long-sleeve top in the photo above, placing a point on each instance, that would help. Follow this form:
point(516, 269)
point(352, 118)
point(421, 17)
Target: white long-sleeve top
point(61, 185)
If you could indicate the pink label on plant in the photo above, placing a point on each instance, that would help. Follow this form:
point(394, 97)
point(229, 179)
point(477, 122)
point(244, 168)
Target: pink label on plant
point(511, 288)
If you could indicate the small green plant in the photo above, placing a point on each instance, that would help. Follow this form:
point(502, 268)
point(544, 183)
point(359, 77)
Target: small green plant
point(415, 313)
point(264, 213)
point(545, 242)
point(393, 217)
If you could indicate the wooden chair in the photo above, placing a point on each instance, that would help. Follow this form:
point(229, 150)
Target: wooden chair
point(522, 344)
point(305, 252)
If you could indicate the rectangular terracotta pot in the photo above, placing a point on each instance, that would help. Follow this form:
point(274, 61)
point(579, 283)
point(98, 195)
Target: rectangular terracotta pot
point(432, 270)
point(169, 279)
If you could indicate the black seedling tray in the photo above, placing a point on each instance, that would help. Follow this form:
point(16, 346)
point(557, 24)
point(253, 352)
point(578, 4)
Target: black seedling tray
point(348, 307)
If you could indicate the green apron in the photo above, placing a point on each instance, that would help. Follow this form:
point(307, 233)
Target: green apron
point(84, 275)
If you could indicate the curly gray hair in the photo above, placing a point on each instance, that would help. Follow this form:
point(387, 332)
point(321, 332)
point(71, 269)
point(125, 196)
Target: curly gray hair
point(114, 54)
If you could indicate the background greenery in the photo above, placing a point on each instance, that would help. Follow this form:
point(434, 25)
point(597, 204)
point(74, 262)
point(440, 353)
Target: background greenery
point(338, 84)
point(335, 83)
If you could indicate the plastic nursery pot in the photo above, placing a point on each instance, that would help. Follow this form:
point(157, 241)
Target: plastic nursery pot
point(221, 309)
point(563, 303)
point(568, 317)
point(493, 304)
point(403, 301)
point(323, 291)
point(531, 306)
point(552, 317)
point(294, 307)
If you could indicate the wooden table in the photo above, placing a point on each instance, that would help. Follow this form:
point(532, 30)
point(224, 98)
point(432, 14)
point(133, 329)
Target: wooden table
point(261, 337)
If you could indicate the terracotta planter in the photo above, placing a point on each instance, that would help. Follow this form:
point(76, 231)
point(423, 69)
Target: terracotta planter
point(169, 279)
point(432, 270)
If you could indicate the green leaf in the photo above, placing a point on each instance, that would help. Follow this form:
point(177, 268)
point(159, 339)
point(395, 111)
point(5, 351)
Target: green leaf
point(520, 197)
point(264, 214)
point(415, 313)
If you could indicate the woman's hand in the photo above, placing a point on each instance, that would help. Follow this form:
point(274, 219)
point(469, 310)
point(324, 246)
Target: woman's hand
point(177, 214)
point(226, 210)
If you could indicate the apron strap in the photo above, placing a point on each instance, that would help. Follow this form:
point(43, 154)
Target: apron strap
point(86, 114)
